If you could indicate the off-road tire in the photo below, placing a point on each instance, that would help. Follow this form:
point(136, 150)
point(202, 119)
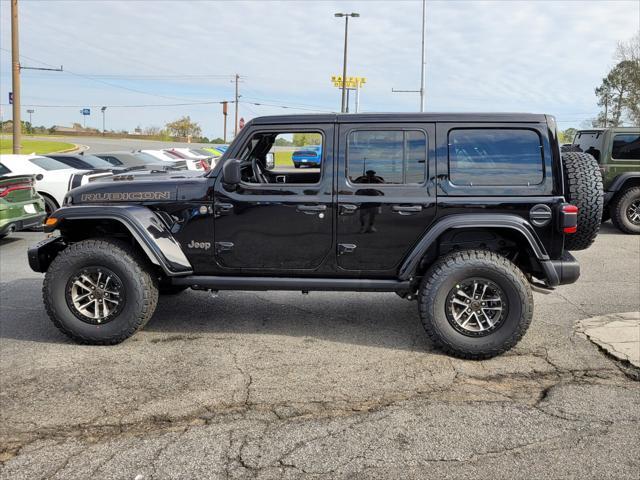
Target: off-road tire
point(583, 188)
point(452, 269)
point(619, 210)
point(570, 148)
point(140, 286)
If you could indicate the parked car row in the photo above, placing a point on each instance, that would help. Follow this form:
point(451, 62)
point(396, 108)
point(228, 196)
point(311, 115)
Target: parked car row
point(33, 186)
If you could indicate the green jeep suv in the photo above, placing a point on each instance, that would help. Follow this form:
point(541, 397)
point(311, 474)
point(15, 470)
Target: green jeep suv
point(617, 150)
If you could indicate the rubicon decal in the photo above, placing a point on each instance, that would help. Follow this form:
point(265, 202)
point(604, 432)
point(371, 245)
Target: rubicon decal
point(124, 196)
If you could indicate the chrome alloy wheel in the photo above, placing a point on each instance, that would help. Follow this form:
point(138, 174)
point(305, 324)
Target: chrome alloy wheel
point(95, 295)
point(633, 212)
point(476, 307)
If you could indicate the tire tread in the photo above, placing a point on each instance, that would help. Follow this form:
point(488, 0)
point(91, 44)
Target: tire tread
point(138, 270)
point(472, 258)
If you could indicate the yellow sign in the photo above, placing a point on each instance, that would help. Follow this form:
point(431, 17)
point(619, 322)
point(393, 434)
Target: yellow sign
point(352, 82)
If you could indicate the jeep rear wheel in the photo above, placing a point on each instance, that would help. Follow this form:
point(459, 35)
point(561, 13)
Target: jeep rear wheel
point(475, 304)
point(625, 211)
point(583, 188)
point(99, 292)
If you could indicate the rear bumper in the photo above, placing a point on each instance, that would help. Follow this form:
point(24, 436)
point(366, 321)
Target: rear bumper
point(21, 223)
point(563, 271)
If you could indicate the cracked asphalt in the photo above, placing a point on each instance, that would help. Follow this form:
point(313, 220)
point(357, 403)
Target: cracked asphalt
point(277, 385)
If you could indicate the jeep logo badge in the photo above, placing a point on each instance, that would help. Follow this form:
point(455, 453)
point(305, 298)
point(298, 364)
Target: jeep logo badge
point(200, 245)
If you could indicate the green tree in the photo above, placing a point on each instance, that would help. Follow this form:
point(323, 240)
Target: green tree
point(184, 127)
point(619, 93)
point(566, 136)
point(302, 139)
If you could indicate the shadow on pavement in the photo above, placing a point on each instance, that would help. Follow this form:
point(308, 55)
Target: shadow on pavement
point(379, 320)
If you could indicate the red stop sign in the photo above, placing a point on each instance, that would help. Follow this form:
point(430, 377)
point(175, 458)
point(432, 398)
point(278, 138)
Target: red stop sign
point(241, 123)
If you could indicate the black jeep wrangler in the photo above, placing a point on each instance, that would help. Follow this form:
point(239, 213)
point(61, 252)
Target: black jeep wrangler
point(465, 213)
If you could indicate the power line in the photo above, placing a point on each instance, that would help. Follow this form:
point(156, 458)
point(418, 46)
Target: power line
point(114, 85)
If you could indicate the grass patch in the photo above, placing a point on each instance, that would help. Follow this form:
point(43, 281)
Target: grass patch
point(34, 146)
point(283, 159)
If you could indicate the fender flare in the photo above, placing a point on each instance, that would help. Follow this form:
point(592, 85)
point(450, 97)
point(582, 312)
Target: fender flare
point(458, 221)
point(151, 233)
point(620, 180)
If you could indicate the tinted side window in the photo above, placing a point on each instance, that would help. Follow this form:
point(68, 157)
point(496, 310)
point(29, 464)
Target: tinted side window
point(495, 157)
point(387, 156)
point(626, 146)
point(4, 170)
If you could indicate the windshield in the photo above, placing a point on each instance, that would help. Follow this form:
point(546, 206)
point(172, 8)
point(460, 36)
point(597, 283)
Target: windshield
point(48, 163)
point(201, 152)
point(147, 159)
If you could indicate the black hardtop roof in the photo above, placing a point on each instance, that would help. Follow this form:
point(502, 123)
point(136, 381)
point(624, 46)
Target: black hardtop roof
point(402, 117)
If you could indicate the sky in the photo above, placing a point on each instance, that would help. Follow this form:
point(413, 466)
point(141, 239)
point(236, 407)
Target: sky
point(514, 56)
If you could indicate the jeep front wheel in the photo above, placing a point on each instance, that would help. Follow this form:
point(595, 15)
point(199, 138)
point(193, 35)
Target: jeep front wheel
point(99, 292)
point(625, 211)
point(475, 304)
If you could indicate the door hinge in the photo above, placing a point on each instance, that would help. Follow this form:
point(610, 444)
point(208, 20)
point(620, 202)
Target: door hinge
point(344, 248)
point(221, 247)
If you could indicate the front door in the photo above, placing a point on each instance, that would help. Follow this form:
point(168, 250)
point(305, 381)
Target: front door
point(386, 196)
point(280, 217)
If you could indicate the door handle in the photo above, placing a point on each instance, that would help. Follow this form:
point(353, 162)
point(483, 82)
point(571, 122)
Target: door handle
point(406, 209)
point(348, 209)
point(311, 209)
point(222, 208)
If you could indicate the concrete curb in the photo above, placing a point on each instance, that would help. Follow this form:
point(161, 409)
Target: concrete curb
point(618, 334)
point(69, 150)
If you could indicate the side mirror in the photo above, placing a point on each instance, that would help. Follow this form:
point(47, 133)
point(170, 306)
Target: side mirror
point(270, 161)
point(231, 174)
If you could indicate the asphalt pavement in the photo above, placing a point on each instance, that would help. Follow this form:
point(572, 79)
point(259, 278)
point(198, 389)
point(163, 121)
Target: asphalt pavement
point(277, 385)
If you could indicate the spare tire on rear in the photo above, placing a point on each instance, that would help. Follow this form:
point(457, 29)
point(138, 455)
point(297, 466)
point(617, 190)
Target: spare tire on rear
point(583, 188)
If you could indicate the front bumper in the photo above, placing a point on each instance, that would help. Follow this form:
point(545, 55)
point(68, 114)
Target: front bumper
point(563, 271)
point(42, 253)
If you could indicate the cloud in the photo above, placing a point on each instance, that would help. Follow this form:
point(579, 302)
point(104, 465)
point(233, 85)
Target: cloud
point(481, 56)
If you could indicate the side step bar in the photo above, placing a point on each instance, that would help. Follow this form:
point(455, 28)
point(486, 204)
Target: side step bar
point(289, 283)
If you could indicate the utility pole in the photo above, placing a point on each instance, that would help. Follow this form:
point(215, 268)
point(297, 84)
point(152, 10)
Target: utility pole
point(235, 130)
point(345, 104)
point(424, 64)
point(224, 114)
point(15, 77)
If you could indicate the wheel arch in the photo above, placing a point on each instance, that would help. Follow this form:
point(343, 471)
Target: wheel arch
point(142, 225)
point(625, 181)
point(501, 231)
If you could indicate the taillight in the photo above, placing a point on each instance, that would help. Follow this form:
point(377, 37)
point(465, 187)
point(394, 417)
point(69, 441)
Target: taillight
point(203, 164)
point(569, 219)
point(4, 191)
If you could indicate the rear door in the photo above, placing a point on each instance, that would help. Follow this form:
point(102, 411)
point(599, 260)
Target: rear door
point(386, 194)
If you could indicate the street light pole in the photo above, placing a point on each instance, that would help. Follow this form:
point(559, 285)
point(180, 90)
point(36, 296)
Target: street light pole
point(346, 16)
point(424, 63)
point(103, 110)
point(15, 77)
